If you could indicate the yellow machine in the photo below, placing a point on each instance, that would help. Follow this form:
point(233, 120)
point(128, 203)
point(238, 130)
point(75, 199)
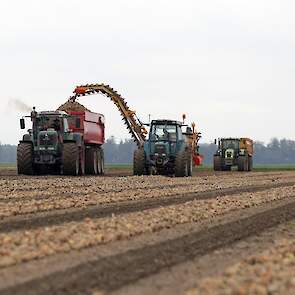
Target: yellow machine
point(234, 152)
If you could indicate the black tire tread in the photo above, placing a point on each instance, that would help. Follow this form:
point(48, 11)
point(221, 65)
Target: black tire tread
point(25, 158)
point(181, 164)
point(139, 162)
point(70, 155)
point(91, 168)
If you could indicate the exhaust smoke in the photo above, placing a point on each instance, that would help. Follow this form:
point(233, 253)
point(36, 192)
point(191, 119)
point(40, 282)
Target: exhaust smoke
point(19, 105)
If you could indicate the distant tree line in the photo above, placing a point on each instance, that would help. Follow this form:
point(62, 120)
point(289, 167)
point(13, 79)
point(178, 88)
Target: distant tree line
point(7, 153)
point(275, 152)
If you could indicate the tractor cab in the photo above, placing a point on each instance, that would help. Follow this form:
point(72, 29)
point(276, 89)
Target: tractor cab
point(229, 147)
point(165, 140)
point(49, 132)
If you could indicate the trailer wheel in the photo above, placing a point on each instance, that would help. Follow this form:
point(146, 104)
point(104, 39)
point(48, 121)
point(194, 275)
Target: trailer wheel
point(243, 163)
point(25, 159)
point(91, 161)
point(82, 162)
point(217, 163)
point(181, 164)
point(100, 161)
point(139, 162)
point(70, 159)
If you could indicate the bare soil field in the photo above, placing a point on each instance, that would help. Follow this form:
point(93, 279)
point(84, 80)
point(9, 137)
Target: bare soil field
point(214, 233)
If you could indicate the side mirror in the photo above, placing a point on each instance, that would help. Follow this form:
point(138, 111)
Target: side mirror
point(78, 123)
point(215, 141)
point(22, 124)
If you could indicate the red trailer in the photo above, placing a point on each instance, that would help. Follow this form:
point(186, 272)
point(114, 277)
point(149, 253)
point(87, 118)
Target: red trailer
point(92, 128)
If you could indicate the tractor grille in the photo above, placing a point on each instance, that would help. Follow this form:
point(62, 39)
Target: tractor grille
point(46, 139)
point(160, 149)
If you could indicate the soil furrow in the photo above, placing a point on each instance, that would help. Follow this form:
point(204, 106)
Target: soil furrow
point(63, 196)
point(56, 217)
point(41, 196)
point(113, 272)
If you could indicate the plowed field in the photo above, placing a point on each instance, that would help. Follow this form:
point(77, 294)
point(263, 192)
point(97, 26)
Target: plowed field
point(214, 233)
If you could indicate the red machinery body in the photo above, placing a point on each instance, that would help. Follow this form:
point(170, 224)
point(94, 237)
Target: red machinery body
point(91, 125)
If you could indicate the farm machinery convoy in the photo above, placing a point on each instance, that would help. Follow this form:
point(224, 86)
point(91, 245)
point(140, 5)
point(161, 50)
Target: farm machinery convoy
point(69, 141)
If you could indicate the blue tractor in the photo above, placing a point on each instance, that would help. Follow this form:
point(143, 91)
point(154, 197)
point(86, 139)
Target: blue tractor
point(168, 150)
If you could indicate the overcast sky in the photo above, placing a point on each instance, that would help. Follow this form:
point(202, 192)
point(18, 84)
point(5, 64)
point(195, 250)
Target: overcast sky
point(228, 64)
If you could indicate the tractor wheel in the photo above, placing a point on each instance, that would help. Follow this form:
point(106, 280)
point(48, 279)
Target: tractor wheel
point(181, 164)
point(139, 162)
point(243, 163)
point(100, 161)
point(190, 163)
point(91, 161)
point(71, 159)
point(250, 163)
point(82, 162)
point(217, 163)
point(25, 159)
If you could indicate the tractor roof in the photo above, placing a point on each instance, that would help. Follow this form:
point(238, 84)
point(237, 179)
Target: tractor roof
point(52, 113)
point(229, 138)
point(165, 122)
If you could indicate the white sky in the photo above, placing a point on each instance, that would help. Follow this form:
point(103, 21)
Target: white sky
point(228, 64)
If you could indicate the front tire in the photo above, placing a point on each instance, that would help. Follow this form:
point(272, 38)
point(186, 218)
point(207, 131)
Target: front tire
point(25, 159)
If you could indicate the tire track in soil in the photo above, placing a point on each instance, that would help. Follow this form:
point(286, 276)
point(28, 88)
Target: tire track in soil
point(110, 273)
point(60, 216)
point(65, 196)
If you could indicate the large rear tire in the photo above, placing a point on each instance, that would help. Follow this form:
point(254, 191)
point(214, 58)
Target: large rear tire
point(139, 162)
point(91, 161)
point(181, 164)
point(70, 159)
point(25, 159)
point(217, 163)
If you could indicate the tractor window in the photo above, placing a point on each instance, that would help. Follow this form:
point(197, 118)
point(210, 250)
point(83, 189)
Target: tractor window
point(50, 122)
point(164, 133)
point(66, 125)
point(231, 144)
